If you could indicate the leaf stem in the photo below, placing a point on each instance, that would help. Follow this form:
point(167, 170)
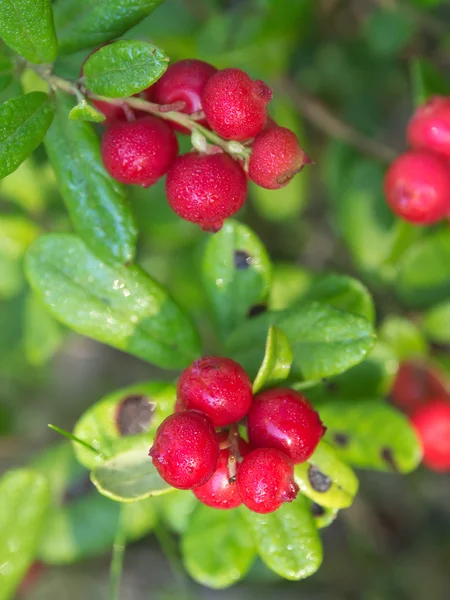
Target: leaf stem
point(73, 438)
point(118, 553)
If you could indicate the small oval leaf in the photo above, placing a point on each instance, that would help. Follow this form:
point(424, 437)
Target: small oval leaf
point(277, 361)
point(437, 323)
point(404, 337)
point(86, 112)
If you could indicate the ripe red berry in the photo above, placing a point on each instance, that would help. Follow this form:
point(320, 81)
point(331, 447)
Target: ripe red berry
point(138, 152)
point(235, 105)
point(417, 187)
point(276, 157)
point(429, 127)
point(217, 386)
point(220, 491)
point(185, 450)
point(284, 419)
point(206, 188)
point(432, 424)
point(414, 384)
point(265, 480)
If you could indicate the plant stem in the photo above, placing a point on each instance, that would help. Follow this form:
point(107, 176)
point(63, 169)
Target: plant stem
point(118, 553)
point(73, 438)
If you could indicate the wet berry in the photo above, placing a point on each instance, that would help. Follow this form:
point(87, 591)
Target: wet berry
point(138, 152)
point(206, 189)
point(185, 450)
point(265, 480)
point(235, 105)
point(284, 419)
point(429, 127)
point(432, 424)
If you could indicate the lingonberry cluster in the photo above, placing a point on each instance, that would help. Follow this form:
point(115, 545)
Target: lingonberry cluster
point(200, 447)
point(417, 184)
point(208, 184)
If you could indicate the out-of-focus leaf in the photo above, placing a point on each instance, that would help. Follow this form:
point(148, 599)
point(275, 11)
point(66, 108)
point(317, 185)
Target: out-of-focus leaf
point(323, 516)
point(289, 283)
point(176, 509)
point(437, 323)
point(404, 337)
point(426, 81)
point(42, 334)
point(388, 31)
point(277, 361)
point(29, 186)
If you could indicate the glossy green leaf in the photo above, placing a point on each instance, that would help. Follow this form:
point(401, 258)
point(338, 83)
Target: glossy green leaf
point(324, 341)
point(42, 335)
point(86, 112)
point(276, 363)
point(24, 498)
point(404, 337)
point(325, 479)
point(27, 27)
point(437, 323)
point(119, 306)
point(6, 70)
point(368, 433)
point(95, 201)
point(124, 420)
point(83, 23)
point(287, 539)
point(427, 81)
point(236, 274)
point(124, 68)
point(217, 547)
point(23, 123)
point(129, 476)
point(323, 516)
point(289, 283)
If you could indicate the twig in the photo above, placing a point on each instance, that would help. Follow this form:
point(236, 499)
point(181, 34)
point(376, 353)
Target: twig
point(115, 573)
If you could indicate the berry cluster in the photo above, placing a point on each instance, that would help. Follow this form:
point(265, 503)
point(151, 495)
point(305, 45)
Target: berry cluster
point(208, 184)
point(222, 469)
point(423, 395)
point(417, 184)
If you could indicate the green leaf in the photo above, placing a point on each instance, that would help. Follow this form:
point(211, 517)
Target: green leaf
point(176, 509)
point(119, 306)
point(124, 68)
point(323, 516)
point(27, 27)
point(6, 70)
point(217, 547)
point(83, 23)
point(324, 341)
point(124, 420)
point(277, 361)
point(388, 31)
point(86, 112)
point(287, 539)
point(368, 433)
point(236, 274)
point(289, 283)
point(426, 81)
point(128, 477)
point(23, 123)
point(25, 498)
point(95, 201)
point(42, 334)
point(29, 186)
point(325, 479)
point(404, 337)
point(437, 323)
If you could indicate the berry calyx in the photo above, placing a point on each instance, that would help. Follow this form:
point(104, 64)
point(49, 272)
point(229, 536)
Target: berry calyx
point(220, 491)
point(206, 188)
point(185, 450)
point(432, 424)
point(417, 187)
point(429, 127)
point(276, 157)
point(235, 104)
point(265, 480)
point(138, 152)
point(218, 387)
point(284, 419)
point(414, 383)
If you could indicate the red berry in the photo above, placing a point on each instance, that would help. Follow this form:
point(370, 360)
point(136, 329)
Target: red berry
point(220, 491)
point(138, 152)
point(217, 386)
point(265, 480)
point(206, 189)
point(276, 157)
point(432, 424)
point(429, 127)
point(414, 384)
point(235, 105)
point(417, 187)
point(185, 450)
point(284, 419)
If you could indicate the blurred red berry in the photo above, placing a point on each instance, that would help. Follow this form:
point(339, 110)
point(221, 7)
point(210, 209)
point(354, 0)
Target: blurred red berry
point(432, 424)
point(414, 384)
point(429, 127)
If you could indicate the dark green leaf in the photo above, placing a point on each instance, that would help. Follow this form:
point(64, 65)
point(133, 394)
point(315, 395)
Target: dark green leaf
point(427, 81)
point(404, 337)
point(324, 341)
point(23, 123)
point(217, 547)
point(95, 201)
point(24, 496)
point(27, 27)
point(6, 70)
point(42, 334)
point(83, 23)
point(236, 274)
point(277, 361)
point(85, 112)
point(437, 323)
point(119, 306)
point(124, 68)
point(388, 31)
point(124, 420)
point(289, 283)
point(287, 539)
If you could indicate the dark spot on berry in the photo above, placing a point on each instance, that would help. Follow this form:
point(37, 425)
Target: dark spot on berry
point(318, 480)
point(388, 456)
point(81, 487)
point(242, 260)
point(134, 414)
point(341, 439)
point(317, 510)
point(256, 309)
